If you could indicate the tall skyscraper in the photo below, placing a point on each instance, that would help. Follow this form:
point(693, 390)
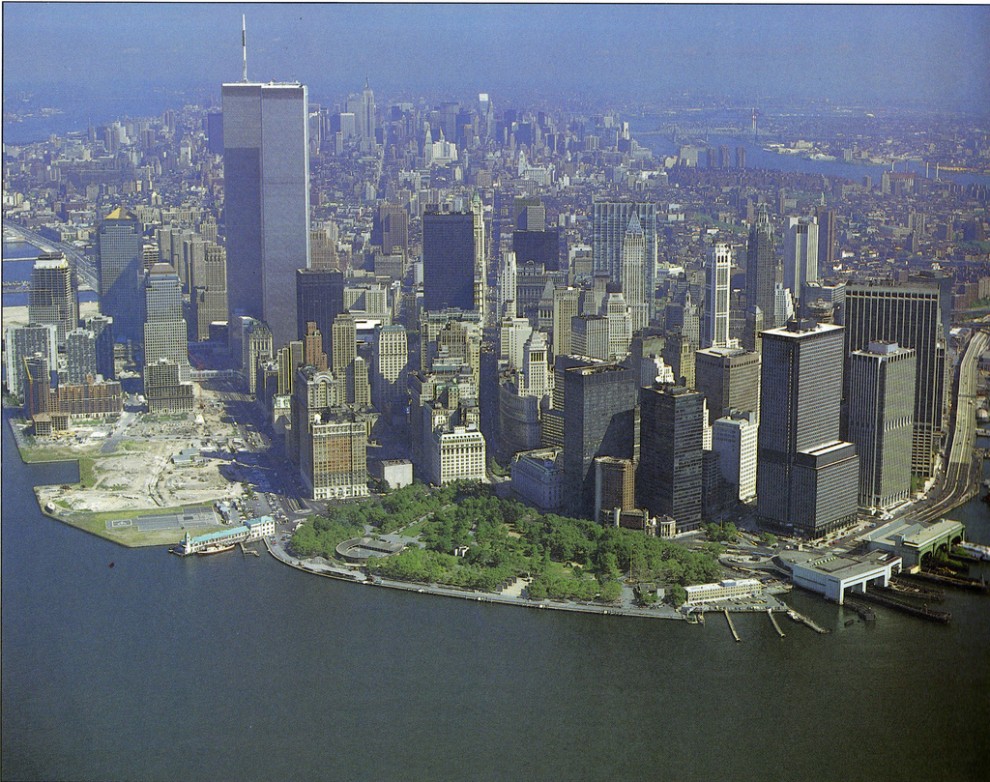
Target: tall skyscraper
point(480, 258)
point(52, 298)
point(807, 477)
point(266, 200)
point(599, 420)
point(390, 367)
point(632, 274)
point(729, 379)
point(319, 299)
point(717, 289)
point(165, 333)
point(827, 239)
point(610, 221)
point(761, 267)
point(910, 315)
point(102, 328)
point(881, 419)
point(23, 342)
point(800, 254)
point(208, 290)
point(121, 273)
point(391, 228)
point(507, 276)
point(668, 481)
point(313, 353)
point(448, 261)
point(80, 354)
point(566, 304)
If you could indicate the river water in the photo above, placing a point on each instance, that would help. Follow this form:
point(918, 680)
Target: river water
point(758, 157)
point(226, 667)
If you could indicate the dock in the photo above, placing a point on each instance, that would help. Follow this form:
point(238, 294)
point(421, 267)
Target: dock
point(732, 627)
point(773, 621)
point(245, 550)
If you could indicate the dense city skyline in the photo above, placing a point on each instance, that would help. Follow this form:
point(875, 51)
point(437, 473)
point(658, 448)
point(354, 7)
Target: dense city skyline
point(921, 55)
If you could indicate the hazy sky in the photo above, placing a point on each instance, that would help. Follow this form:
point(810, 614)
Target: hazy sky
point(846, 53)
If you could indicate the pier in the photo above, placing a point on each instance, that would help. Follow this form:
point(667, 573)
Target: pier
point(732, 627)
point(773, 621)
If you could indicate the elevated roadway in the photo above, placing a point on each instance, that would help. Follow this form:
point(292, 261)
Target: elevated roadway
point(961, 477)
point(85, 270)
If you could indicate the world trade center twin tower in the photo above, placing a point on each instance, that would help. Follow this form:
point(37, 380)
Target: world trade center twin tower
point(266, 184)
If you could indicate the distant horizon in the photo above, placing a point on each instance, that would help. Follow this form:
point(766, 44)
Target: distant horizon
point(930, 57)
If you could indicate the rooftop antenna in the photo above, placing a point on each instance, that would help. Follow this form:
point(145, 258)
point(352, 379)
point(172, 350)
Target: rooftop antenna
point(244, 47)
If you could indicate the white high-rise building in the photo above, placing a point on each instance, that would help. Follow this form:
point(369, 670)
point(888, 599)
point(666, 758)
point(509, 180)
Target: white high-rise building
point(734, 439)
point(536, 377)
point(800, 254)
point(513, 335)
point(620, 328)
point(266, 200)
point(507, 275)
point(717, 296)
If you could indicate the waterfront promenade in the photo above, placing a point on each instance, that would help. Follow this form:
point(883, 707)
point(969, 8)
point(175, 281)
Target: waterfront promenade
point(512, 595)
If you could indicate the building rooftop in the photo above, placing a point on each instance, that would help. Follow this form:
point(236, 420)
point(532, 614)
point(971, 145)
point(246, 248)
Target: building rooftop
point(839, 564)
point(913, 534)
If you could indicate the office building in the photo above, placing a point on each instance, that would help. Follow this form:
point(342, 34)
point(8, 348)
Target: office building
point(599, 420)
point(566, 305)
point(717, 289)
point(37, 383)
point(615, 487)
point(313, 353)
point(807, 477)
point(52, 298)
point(734, 439)
point(266, 200)
point(610, 221)
point(669, 475)
point(480, 258)
point(910, 315)
point(391, 229)
point(333, 455)
point(22, 342)
point(165, 333)
point(319, 299)
point(881, 421)
point(632, 274)
point(728, 378)
point(121, 273)
point(102, 328)
point(828, 246)
point(448, 260)
point(208, 290)
point(164, 391)
point(80, 355)
point(800, 254)
point(541, 246)
point(761, 267)
point(390, 368)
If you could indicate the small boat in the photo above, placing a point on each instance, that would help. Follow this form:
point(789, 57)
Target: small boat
point(215, 549)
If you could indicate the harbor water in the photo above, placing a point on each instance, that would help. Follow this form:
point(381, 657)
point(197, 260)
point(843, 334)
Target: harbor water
point(129, 664)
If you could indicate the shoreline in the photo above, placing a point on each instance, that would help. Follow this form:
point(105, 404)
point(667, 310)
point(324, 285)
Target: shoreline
point(494, 598)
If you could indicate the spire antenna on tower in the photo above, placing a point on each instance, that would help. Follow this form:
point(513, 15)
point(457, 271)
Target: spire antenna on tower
point(244, 47)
